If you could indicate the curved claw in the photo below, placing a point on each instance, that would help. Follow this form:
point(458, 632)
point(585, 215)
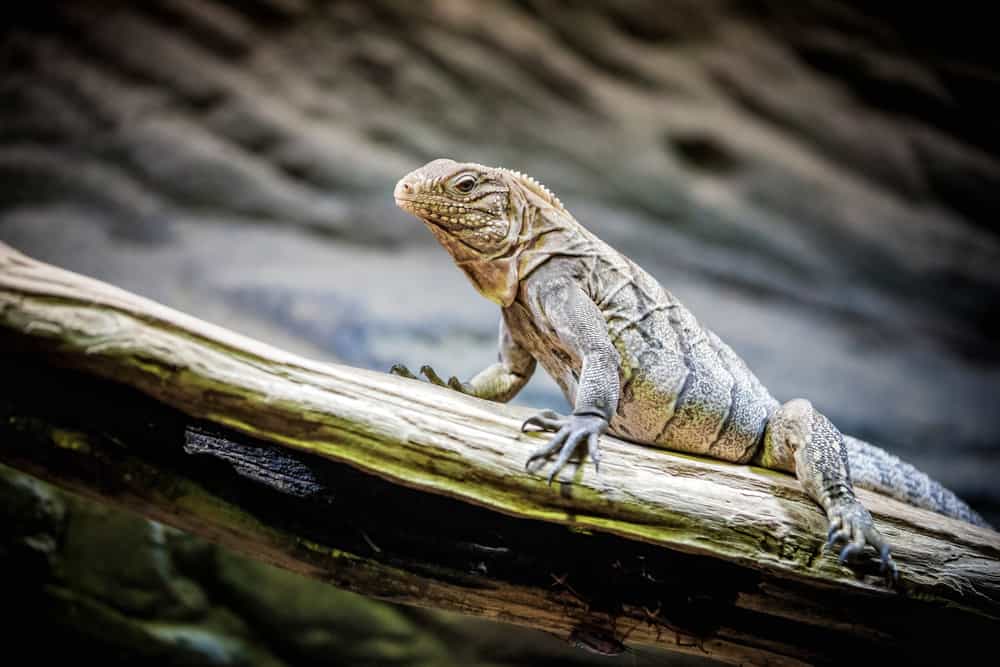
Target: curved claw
point(572, 441)
point(837, 535)
point(888, 566)
point(431, 376)
point(848, 552)
point(402, 371)
point(836, 523)
point(595, 452)
point(546, 420)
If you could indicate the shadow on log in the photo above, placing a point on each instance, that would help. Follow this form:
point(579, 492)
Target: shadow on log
point(411, 493)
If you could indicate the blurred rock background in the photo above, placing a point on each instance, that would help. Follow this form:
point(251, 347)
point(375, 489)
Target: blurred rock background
point(817, 180)
point(84, 581)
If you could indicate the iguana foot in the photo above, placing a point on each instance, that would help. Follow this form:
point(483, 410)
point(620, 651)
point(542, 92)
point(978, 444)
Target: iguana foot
point(852, 525)
point(799, 436)
point(428, 372)
point(570, 432)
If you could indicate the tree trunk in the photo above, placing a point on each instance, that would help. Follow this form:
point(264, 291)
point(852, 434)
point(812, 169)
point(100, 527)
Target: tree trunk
point(409, 492)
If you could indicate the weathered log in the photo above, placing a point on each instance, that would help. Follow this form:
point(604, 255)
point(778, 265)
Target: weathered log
point(405, 491)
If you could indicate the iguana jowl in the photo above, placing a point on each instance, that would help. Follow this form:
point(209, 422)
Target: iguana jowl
point(630, 358)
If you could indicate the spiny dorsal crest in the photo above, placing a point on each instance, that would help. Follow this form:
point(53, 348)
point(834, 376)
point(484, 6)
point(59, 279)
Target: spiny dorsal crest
point(536, 187)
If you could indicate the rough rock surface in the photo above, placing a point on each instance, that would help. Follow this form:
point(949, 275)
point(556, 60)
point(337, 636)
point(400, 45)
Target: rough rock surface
point(818, 182)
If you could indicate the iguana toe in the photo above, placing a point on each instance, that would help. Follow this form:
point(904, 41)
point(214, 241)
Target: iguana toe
point(594, 448)
point(888, 566)
point(544, 452)
point(432, 377)
point(570, 432)
point(547, 420)
point(852, 525)
point(402, 371)
point(573, 440)
point(458, 385)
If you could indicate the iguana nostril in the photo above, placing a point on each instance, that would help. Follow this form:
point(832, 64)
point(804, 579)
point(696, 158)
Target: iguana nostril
point(403, 190)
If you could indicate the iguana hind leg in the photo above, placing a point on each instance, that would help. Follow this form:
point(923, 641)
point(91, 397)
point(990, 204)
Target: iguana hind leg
point(800, 439)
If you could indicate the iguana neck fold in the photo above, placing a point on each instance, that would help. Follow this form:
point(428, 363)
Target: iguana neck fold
point(539, 229)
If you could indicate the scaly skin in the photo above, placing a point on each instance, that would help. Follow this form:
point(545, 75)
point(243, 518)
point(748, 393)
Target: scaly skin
point(630, 358)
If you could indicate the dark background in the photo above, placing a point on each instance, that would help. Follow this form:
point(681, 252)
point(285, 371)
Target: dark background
point(816, 180)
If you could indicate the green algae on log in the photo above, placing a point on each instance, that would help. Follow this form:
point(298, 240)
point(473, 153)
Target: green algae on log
point(438, 442)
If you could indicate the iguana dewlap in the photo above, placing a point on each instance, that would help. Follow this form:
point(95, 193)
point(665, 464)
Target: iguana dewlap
point(630, 358)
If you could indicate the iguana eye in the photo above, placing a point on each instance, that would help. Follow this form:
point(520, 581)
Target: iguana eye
point(465, 183)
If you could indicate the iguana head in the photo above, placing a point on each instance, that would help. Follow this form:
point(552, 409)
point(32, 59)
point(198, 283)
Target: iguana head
point(486, 217)
point(468, 202)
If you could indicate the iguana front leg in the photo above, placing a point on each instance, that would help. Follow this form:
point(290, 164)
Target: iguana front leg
point(800, 439)
point(499, 382)
point(579, 325)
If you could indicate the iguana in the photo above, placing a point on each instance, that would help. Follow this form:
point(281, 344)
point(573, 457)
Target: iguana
point(631, 359)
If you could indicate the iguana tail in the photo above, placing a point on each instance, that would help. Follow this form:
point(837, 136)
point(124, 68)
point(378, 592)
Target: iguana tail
point(875, 469)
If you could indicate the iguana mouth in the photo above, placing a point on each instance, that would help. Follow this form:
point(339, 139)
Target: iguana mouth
point(413, 207)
